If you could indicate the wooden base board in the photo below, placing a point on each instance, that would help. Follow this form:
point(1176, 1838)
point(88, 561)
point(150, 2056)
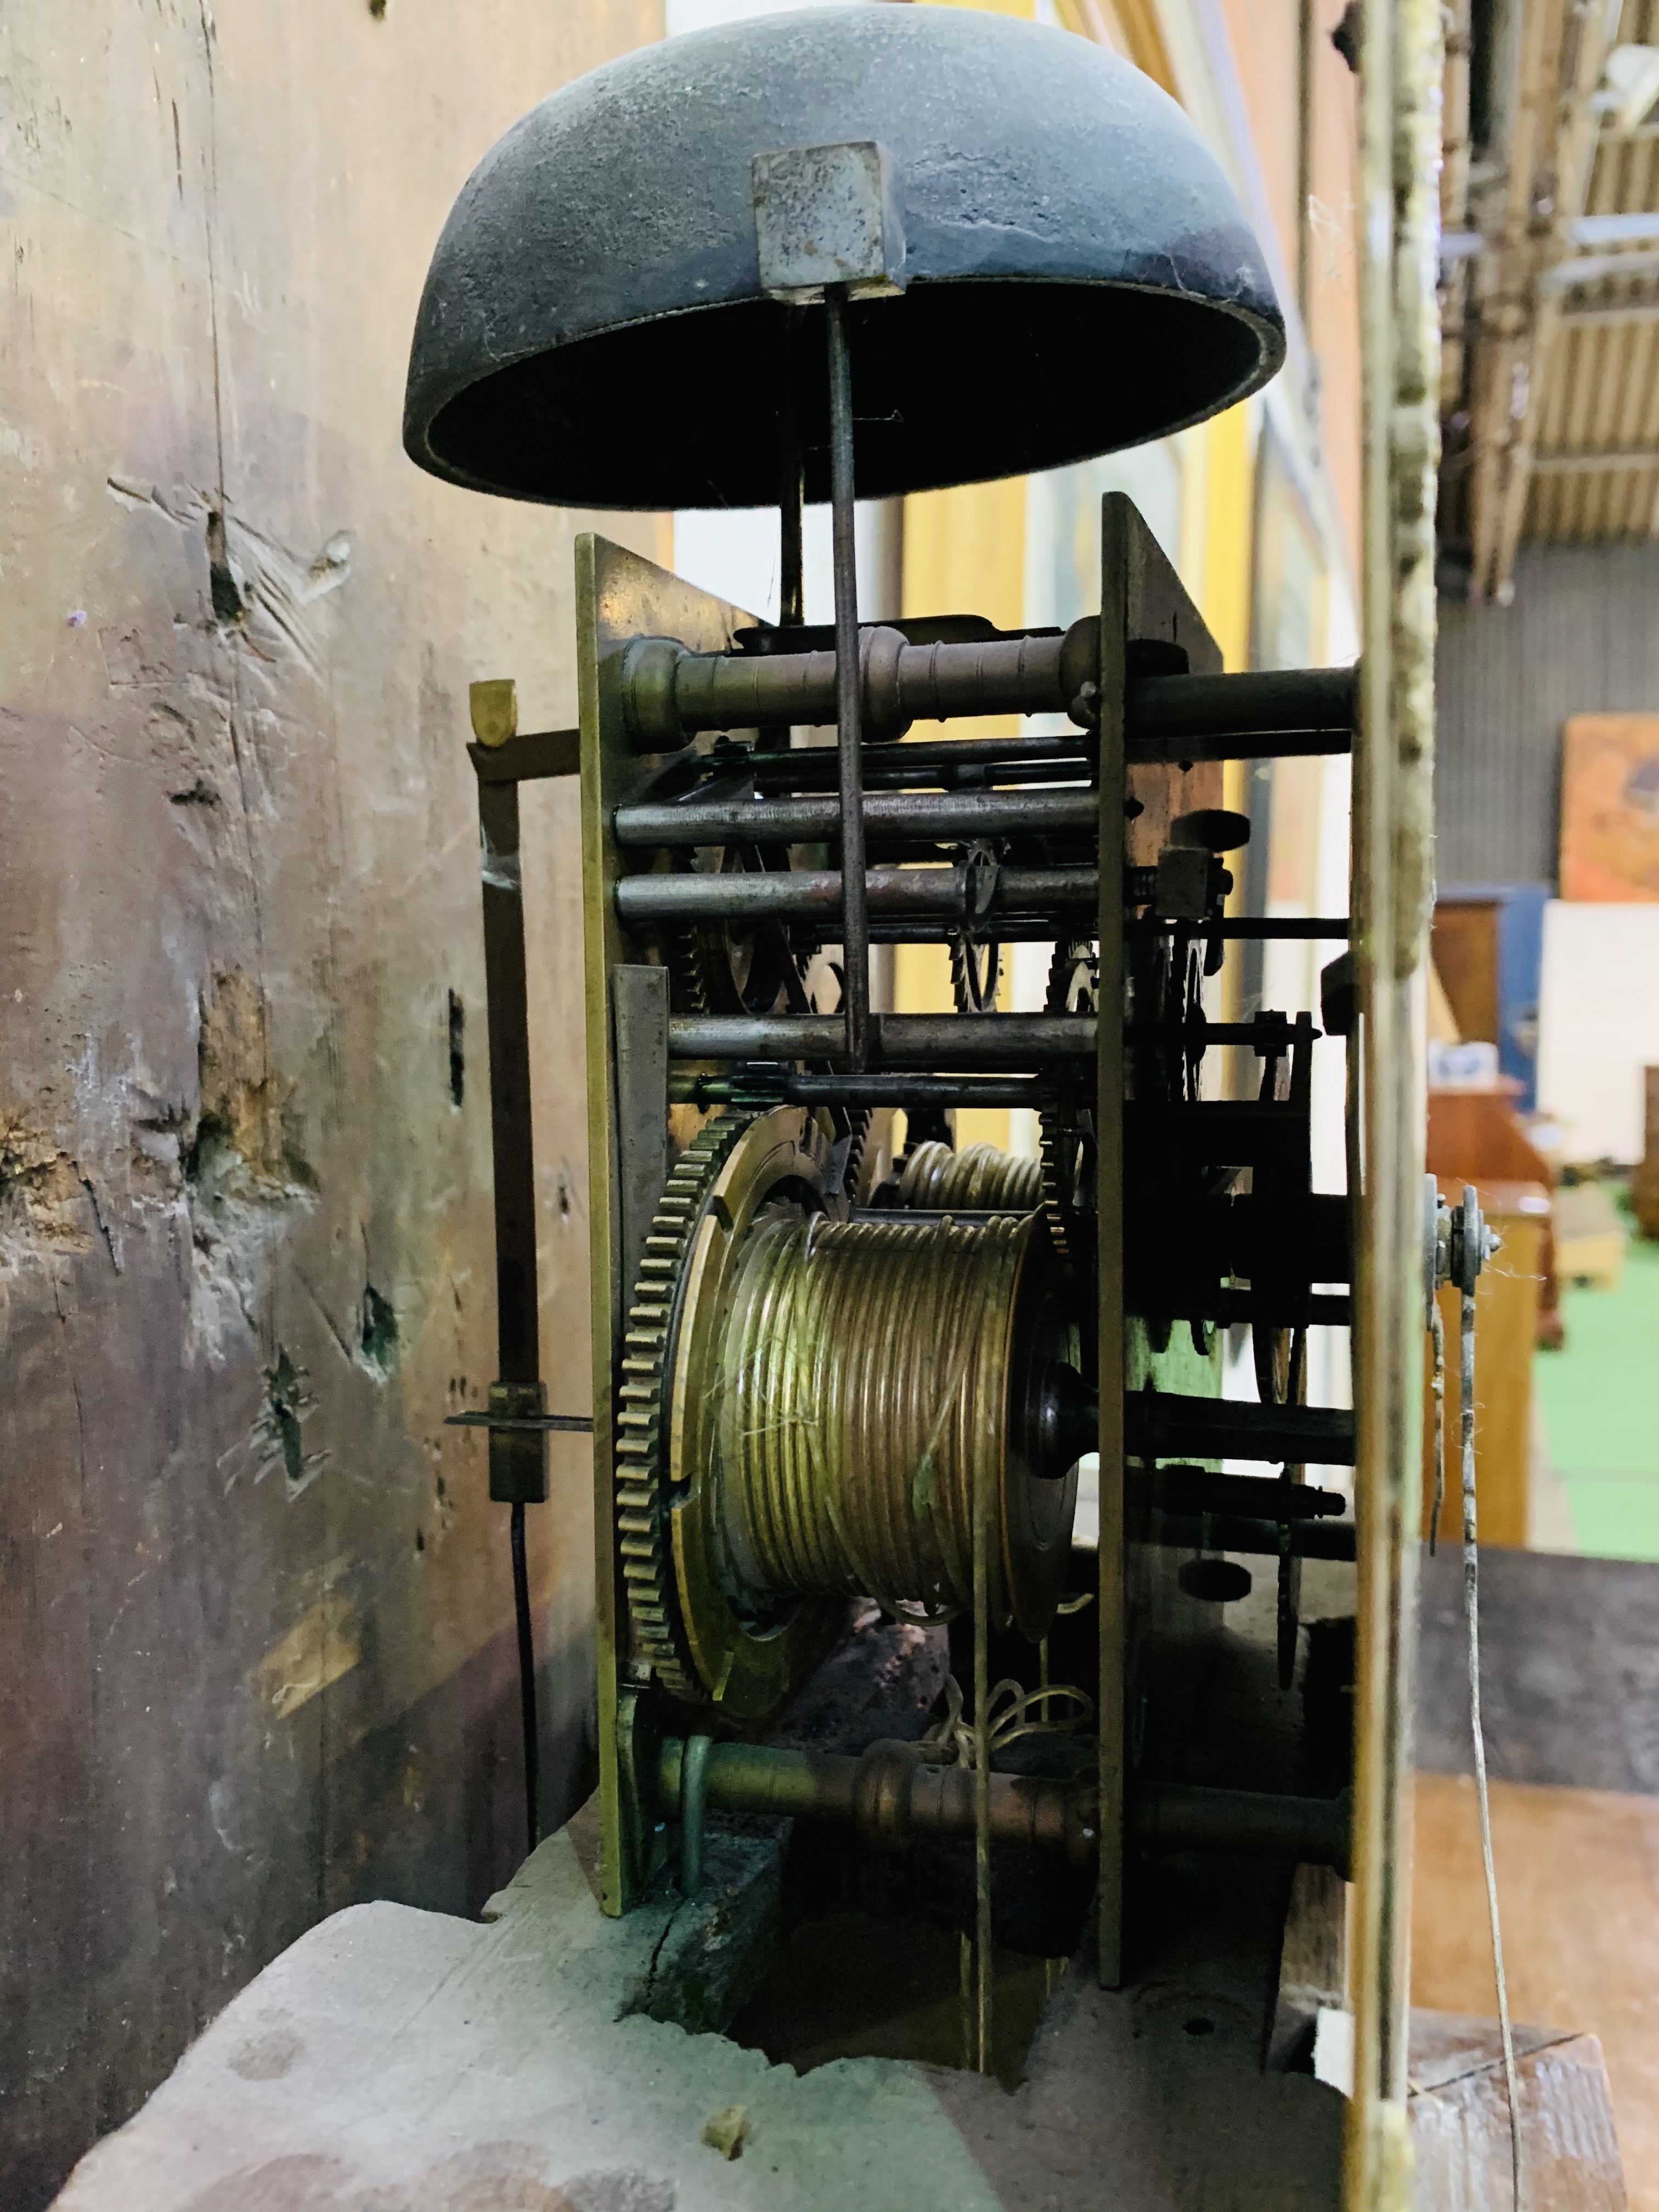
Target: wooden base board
point(1579, 1888)
point(1461, 2119)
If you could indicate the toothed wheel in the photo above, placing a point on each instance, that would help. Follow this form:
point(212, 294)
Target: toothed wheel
point(975, 963)
point(1067, 1149)
point(641, 1437)
point(858, 1136)
point(975, 973)
point(706, 1637)
point(729, 968)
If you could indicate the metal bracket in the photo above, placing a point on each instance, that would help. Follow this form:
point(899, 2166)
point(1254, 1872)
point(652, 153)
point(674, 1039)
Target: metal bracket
point(572, 1423)
point(1456, 1242)
point(518, 1442)
point(827, 216)
point(639, 1012)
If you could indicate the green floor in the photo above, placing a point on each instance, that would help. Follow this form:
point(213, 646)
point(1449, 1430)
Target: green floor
point(1600, 1399)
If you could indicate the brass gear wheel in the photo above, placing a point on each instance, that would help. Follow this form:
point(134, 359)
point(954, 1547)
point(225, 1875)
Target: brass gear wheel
point(703, 1644)
point(976, 960)
point(861, 1124)
point(688, 973)
point(975, 973)
point(715, 967)
point(648, 1345)
point(779, 1445)
point(1067, 1150)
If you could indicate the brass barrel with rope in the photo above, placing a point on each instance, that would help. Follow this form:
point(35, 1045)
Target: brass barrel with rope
point(808, 1404)
point(870, 1372)
point(980, 1178)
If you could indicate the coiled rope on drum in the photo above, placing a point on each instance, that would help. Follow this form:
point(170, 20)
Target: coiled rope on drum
point(980, 1178)
point(864, 1377)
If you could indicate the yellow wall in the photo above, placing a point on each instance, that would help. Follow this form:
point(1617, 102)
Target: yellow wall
point(1222, 587)
point(1224, 590)
point(965, 550)
point(964, 553)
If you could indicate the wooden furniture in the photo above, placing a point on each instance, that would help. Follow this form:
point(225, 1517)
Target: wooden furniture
point(1460, 2119)
point(1506, 1335)
point(1477, 1133)
point(1476, 1136)
point(1644, 1183)
point(1580, 1945)
point(1488, 945)
point(1590, 1236)
point(1464, 947)
point(1568, 1644)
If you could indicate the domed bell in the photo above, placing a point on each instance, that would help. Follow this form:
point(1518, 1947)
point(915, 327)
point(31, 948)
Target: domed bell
point(1070, 271)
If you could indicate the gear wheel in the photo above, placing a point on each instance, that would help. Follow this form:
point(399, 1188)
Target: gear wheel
point(976, 962)
point(975, 973)
point(1067, 1149)
point(716, 969)
point(688, 973)
point(859, 1125)
point(642, 1441)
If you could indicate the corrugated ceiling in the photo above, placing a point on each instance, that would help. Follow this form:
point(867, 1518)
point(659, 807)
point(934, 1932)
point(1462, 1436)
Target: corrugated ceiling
point(1602, 384)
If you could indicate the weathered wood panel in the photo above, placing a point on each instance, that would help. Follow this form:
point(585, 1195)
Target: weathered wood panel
point(255, 1649)
point(1577, 1883)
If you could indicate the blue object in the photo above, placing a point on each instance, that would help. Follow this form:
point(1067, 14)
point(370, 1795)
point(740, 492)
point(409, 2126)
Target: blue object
point(1519, 968)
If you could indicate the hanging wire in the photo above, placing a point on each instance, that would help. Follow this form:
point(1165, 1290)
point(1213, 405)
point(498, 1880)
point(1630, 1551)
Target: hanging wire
point(951, 1742)
point(1457, 1246)
point(982, 1754)
point(1001, 1717)
point(1437, 1333)
point(1472, 1609)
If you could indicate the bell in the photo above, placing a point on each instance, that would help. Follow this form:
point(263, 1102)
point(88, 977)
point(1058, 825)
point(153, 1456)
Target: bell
point(1068, 271)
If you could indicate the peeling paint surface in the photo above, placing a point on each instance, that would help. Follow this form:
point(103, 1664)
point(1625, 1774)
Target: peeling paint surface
point(322, 1646)
point(255, 1608)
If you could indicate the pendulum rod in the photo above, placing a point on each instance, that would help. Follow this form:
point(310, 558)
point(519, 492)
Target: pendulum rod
point(523, 1624)
point(791, 594)
point(985, 2030)
point(855, 917)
